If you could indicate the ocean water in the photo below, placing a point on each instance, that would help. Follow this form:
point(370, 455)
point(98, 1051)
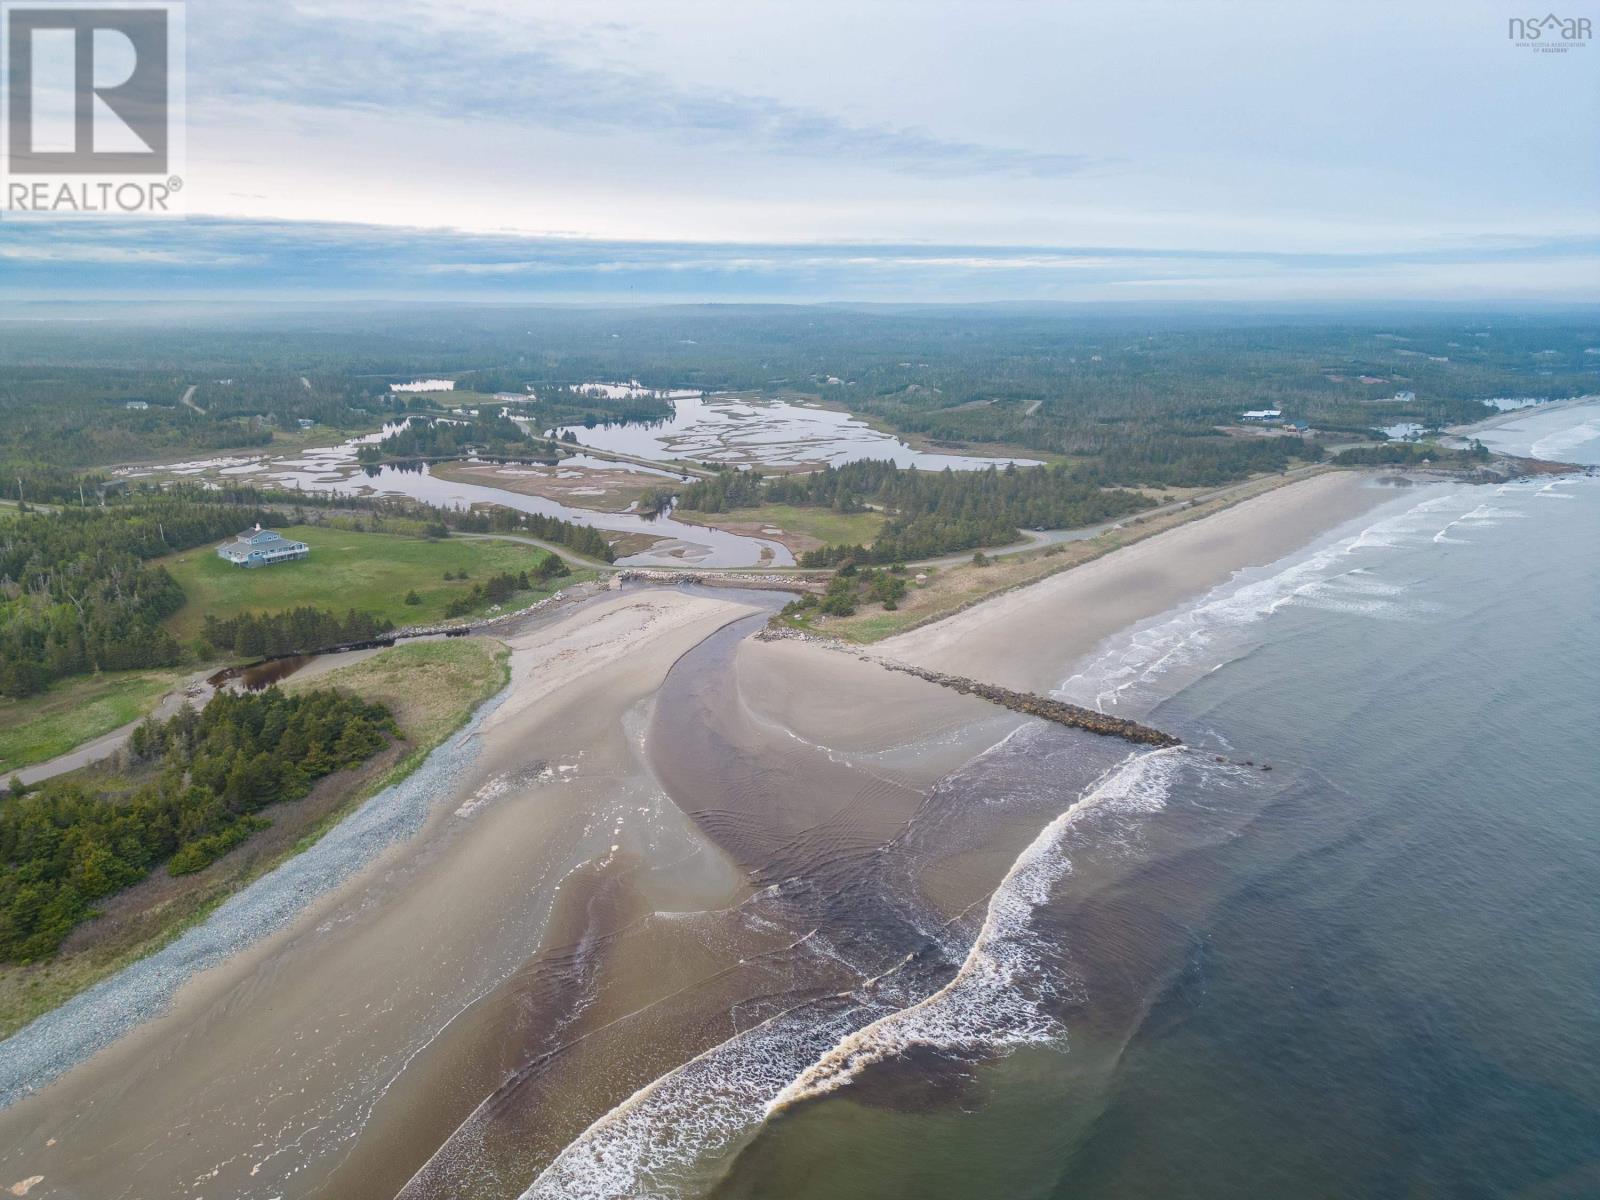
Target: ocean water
point(1345, 942)
point(1372, 971)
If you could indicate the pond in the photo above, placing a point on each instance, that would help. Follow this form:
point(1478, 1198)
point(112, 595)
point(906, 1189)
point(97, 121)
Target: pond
point(773, 434)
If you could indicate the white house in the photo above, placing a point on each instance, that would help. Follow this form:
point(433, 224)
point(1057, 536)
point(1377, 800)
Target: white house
point(260, 547)
point(137, 405)
point(1262, 414)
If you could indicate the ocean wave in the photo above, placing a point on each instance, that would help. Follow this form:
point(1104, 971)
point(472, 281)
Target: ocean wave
point(1196, 639)
point(700, 1108)
point(703, 1109)
point(1563, 440)
point(997, 998)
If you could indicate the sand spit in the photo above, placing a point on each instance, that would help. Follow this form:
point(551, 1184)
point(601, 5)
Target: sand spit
point(618, 867)
point(1024, 639)
point(254, 1076)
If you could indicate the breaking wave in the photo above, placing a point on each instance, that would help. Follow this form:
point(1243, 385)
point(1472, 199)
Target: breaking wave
point(1335, 579)
point(998, 999)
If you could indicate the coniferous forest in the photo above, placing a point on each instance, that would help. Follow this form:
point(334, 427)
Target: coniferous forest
point(927, 512)
point(77, 593)
point(203, 780)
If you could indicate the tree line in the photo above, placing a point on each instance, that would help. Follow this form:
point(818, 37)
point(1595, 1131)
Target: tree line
point(254, 635)
point(1403, 453)
point(425, 437)
point(205, 778)
point(497, 589)
point(77, 593)
point(927, 513)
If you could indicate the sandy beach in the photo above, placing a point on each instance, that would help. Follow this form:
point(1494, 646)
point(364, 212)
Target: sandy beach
point(1026, 638)
point(659, 842)
point(261, 1070)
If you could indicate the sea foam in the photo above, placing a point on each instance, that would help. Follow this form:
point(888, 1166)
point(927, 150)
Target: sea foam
point(996, 1001)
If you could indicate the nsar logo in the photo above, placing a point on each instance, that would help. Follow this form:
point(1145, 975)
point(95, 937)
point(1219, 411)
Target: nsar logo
point(1549, 34)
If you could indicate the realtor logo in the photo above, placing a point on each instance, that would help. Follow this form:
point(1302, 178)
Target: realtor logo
point(93, 106)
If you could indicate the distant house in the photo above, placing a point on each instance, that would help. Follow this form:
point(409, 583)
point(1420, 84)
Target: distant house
point(260, 547)
point(137, 405)
point(1262, 414)
point(1405, 397)
point(304, 422)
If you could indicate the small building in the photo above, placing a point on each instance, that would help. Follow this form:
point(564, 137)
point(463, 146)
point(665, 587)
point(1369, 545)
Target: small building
point(1262, 414)
point(137, 405)
point(1405, 397)
point(260, 547)
point(304, 422)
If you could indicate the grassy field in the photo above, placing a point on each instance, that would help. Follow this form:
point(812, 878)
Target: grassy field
point(821, 524)
point(431, 687)
point(74, 711)
point(370, 572)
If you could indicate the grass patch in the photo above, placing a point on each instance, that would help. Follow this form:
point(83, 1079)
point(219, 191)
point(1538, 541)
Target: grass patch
point(823, 524)
point(370, 572)
point(431, 687)
point(74, 711)
point(951, 589)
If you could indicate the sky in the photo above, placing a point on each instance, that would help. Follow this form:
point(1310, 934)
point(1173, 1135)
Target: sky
point(874, 150)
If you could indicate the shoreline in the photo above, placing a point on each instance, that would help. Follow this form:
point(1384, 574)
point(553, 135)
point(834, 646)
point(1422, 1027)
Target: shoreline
point(474, 879)
point(1076, 609)
point(425, 864)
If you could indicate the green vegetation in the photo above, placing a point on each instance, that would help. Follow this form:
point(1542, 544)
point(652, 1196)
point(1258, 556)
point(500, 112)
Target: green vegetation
point(852, 586)
point(499, 589)
point(78, 593)
point(298, 631)
point(64, 845)
point(370, 573)
point(584, 540)
point(949, 589)
point(424, 437)
point(1056, 380)
point(826, 525)
point(1411, 453)
point(926, 513)
point(74, 711)
point(430, 687)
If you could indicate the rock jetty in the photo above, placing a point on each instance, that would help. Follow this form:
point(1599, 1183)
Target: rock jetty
point(1058, 711)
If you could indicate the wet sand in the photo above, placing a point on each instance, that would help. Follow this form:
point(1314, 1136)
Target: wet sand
point(648, 859)
point(263, 1071)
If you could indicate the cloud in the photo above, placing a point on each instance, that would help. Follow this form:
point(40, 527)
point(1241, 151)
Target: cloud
point(112, 255)
point(398, 61)
point(205, 256)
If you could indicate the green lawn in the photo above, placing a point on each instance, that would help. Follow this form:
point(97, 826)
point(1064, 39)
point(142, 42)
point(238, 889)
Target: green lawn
point(72, 712)
point(370, 572)
point(833, 528)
